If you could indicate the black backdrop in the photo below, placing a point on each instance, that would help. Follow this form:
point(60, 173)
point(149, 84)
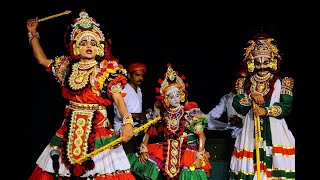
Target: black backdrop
point(203, 41)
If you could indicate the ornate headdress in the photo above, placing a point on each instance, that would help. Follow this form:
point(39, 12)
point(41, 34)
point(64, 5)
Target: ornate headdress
point(261, 46)
point(84, 26)
point(170, 82)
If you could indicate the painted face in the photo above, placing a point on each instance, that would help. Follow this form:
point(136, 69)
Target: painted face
point(174, 98)
point(262, 66)
point(88, 47)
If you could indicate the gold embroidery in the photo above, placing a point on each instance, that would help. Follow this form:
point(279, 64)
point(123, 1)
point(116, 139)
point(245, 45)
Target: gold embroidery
point(79, 77)
point(245, 101)
point(80, 128)
point(287, 86)
point(239, 85)
point(82, 106)
point(260, 84)
point(117, 88)
point(172, 165)
point(286, 91)
point(274, 111)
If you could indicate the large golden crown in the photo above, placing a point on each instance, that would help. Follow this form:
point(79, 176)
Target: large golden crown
point(171, 80)
point(261, 46)
point(85, 25)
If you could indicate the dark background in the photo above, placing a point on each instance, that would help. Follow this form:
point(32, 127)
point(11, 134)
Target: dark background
point(203, 41)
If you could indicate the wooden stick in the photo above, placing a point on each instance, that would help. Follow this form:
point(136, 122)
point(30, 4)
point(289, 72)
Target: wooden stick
point(257, 140)
point(54, 16)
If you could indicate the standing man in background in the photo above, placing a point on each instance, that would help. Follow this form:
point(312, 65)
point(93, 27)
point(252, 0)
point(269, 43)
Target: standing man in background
point(234, 119)
point(133, 99)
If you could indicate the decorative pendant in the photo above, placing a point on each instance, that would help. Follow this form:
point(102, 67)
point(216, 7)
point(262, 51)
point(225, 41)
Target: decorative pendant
point(260, 84)
point(261, 87)
point(174, 119)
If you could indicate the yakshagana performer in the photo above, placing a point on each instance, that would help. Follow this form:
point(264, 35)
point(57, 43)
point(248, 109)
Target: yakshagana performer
point(274, 99)
point(91, 79)
point(180, 152)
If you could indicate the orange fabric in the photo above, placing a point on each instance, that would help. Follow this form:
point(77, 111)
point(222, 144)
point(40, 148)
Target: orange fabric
point(188, 158)
point(39, 174)
point(242, 154)
point(157, 150)
point(283, 151)
point(264, 168)
point(87, 97)
point(137, 66)
point(199, 132)
point(121, 78)
point(125, 176)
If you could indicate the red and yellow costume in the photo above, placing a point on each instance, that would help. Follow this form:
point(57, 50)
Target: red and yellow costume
point(86, 127)
point(176, 148)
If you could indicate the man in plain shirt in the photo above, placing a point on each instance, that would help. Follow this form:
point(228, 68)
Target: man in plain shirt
point(133, 99)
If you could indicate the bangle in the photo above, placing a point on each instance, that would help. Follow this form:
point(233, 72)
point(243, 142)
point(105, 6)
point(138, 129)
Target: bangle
point(33, 35)
point(143, 148)
point(128, 119)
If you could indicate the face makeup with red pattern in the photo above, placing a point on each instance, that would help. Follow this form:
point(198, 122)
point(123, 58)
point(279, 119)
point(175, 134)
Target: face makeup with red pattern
point(88, 47)
point(174, 97)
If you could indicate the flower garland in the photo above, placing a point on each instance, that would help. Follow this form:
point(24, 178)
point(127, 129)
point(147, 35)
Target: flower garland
point(103, 81)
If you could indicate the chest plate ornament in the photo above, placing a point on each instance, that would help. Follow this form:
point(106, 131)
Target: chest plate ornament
point(79, 76)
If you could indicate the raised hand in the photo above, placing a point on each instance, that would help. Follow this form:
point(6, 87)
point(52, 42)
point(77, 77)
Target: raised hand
point(32, 25)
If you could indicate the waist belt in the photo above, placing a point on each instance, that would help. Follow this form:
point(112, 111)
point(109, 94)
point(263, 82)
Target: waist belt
point(82, 106)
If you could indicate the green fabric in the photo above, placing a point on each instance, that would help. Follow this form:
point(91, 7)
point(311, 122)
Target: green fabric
point(241, 176)
point(186, 174)
point(103, 141)
point(219, 171)
point(146, 170)
point(55, 141)
point(282, 173)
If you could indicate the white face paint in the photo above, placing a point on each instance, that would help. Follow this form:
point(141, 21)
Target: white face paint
point(174, 98)
point(262, 65)
point(88, 47)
